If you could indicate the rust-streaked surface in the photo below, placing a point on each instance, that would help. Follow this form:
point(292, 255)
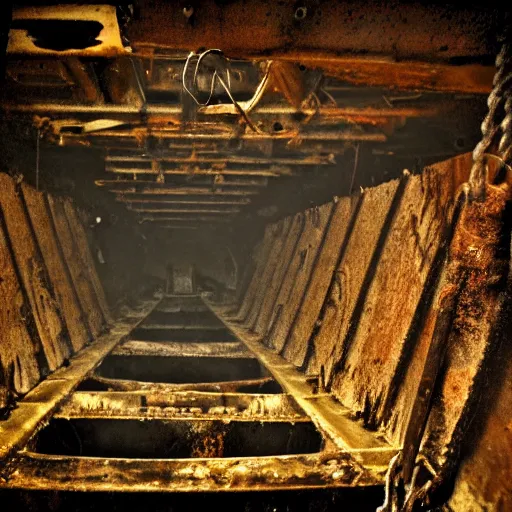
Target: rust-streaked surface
point(78, 272)
point(282, 231)
point(299, 272)
point(33, 272)
point(454, 172)
point(418, 229)
point(261, 473)
point(478, 259)
point(262, 256)
point(286, 256)
point(86, 258)
point(18, 350)
point(306, 315)
point(256, 28)
point(348, 279)
point(58, 273)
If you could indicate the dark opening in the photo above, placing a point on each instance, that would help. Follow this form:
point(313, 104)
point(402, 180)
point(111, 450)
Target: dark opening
point(162, 439)
point(180, 370)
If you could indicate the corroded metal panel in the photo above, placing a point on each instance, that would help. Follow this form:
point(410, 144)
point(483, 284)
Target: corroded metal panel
point(282, 230)
point(268, 27)
point(299, 272)
point(18, 351)
point(483, 482)
point(84, 253)
point(385, 328)
point(315, 293)
point(34, 277)
point(59, 275)
point(478, 269)
point(261, 259)
point(280, 270)
point(349, 277)
point(78, 272)
point(453, 173)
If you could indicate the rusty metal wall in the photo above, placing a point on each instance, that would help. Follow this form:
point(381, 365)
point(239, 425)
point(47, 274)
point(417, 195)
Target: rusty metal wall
point(406, 271)
point(44, 319)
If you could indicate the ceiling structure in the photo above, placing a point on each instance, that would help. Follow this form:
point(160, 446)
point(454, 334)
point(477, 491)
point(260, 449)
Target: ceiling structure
point(205, 112)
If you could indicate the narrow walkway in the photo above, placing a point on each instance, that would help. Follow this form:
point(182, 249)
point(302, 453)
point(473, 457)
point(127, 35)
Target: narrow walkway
point(184, 404)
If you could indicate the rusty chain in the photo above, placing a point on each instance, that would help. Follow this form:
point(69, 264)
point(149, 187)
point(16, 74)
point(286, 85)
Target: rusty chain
point(500, 97)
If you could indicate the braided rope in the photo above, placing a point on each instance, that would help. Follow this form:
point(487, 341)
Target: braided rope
point(498, 98)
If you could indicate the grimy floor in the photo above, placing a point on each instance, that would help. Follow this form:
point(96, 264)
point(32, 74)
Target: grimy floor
point(181, 405)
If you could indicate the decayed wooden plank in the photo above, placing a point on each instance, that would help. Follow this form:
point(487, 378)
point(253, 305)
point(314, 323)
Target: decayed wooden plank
point(261, 260)
point(316, 291)
point(283, 262)
point(35, 281)
point(282, 230)
point(454, 172)
point(80, 277)
point(382, 336)
point(59, 276)
point(18, 350)
point(85, 255)
point(479, 264)
point(349, 277)
point(299, 272)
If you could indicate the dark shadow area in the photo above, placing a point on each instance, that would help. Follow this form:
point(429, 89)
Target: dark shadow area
point(180, 370)
point(182, 335)
point(318, 500)
point(183, 318)
point(61, 35)
point(176, 439)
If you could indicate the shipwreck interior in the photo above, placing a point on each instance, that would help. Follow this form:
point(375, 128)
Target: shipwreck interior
point(255, 256)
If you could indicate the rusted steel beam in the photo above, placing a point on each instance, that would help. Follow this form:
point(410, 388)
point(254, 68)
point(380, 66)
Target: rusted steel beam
point(270, 173)
point(184, 218)
point(182, 404)
point(329, 416)
point(412, 76)
point(85, 80)
point(189, 349)
point(225, 211)
point(215, 182)
point(320, 470)
point(179, 191)
point(266, 28)
point(333, 115)
point(39, 404)
point(179, 135)
point(231, 159)
point(200, 201)
point(154, 112)
point(125, 111)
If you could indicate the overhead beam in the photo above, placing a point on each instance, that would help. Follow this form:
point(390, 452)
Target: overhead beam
point(237, 182)
point(271, 173)
point(187, 211)
point(180, 191)
point(266, 28)
point(233, 159)
point(177, 218)
point(136, 134)
point(200, 200)
point(156, 112)
point(408, 76)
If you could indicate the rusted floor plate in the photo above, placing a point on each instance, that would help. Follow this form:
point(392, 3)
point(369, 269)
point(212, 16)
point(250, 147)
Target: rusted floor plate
point(265, 432)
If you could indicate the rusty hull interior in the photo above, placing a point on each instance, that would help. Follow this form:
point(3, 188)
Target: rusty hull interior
point(255, 256)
